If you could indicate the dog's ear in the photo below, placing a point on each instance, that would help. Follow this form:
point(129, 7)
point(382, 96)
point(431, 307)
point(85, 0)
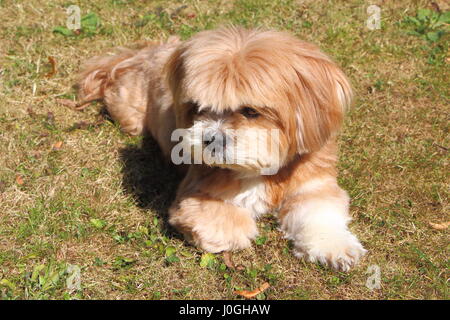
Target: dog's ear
point(174, 73)
point(322, 96)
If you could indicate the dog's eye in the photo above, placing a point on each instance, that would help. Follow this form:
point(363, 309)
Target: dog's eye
point(249, 112)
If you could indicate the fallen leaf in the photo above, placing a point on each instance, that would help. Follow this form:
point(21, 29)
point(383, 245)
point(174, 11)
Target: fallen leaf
point(254, 293)
point(19, 180)
point(440, 226)
point(52, 62)
point(31, 112)
point(57, 145)
point(50, 117)
point(227, 259)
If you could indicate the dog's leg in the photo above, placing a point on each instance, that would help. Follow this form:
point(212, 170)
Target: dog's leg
point(213, 225)
point(316, 221)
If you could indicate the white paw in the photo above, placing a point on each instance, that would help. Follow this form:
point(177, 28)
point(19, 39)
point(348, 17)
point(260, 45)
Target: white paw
point(340, 250)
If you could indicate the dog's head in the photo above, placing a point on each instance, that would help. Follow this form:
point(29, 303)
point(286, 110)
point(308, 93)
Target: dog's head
point(235, 84)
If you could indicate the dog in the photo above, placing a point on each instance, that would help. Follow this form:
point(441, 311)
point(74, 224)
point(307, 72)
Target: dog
point(227, 82)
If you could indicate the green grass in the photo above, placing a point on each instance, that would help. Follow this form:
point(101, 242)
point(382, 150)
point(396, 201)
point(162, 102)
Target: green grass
point(99, 202)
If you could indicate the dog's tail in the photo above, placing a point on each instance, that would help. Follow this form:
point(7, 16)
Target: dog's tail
point(97, 74)
point(121, 82)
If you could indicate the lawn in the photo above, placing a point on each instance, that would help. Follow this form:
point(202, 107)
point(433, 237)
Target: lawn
point(80, 200)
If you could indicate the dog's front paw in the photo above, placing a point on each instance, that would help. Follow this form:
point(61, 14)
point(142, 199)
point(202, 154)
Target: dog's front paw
point(213, 225)
point(225, 237)
point(340, 250)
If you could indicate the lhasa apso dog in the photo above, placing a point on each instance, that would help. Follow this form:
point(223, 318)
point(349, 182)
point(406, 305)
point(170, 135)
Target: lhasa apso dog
point(254, 116)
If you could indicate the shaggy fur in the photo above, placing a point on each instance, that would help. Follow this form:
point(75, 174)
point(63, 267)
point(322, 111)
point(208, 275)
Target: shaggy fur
point(231, 79)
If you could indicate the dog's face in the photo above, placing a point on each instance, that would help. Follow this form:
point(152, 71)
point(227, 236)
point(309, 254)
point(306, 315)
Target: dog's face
point(254, 98)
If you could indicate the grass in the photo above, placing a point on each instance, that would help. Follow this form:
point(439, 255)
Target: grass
point(75, 191)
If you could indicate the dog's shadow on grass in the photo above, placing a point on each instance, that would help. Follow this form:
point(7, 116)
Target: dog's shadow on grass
point(151, 180)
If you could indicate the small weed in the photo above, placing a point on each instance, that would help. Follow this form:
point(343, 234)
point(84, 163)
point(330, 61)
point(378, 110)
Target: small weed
point(429, 24)
point(208, 260)
point(90, 26)
point(170, 254)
